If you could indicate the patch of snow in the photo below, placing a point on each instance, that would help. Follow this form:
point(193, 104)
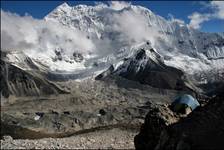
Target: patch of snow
point(36, 117)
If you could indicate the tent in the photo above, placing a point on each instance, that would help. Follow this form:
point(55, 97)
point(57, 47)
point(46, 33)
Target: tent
point(184, 104)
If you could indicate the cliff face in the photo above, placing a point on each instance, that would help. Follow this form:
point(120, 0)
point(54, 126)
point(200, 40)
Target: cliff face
point(157, 119)
point(202, 129)
point(19, 82)
point(146, 66)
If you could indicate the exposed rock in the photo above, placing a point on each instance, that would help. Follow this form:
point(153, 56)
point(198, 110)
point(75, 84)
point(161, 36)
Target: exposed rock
point(202, 129)
point(58, 55)
point(7, 138)
point(150, 69)
point(105, 73)
point(78, 57)
point(147, 67)
point(52, 125)
point(158, 118)
point(18, 82)
point(91, 106)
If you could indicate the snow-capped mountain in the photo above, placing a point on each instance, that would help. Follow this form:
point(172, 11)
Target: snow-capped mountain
point(147, 66)
point(117, 33)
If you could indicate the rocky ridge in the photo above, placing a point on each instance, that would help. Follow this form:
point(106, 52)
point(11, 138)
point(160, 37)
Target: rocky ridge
point(202, 129)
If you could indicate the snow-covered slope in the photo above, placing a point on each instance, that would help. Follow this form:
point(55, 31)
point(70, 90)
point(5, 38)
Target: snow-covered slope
point(147, 67)
point(117, 33)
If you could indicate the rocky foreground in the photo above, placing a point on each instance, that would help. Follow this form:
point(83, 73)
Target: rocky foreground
point(105, 139)
point(162, 129)
point(202, 129)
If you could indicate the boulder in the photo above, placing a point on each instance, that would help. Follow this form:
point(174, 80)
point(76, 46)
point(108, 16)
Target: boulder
point(157, 119)
point(202, 129)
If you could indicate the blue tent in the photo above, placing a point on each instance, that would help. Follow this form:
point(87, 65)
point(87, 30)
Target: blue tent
point(186, 99)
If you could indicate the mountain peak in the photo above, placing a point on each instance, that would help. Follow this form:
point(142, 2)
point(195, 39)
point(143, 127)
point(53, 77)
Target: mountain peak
point(122, 27)
point(64, 6)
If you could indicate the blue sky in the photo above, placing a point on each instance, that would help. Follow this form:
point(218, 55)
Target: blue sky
point(179, 9)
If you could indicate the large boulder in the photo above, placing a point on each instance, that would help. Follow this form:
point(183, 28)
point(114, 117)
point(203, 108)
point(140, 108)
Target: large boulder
point(157, 119)
point(202, 129)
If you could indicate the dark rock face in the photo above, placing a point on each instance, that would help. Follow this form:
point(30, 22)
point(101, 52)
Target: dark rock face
point(58, 55)
point(152, 71)
point(156, 74)
point(4, 90)
point(78, 57)
point(157, 119)
point(18, 82)
point(105, 73)
point(202, 129)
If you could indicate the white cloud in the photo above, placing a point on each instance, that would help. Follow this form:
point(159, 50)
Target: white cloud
point(217, 12)
point(124, 28)
point(197, 19)
point(134, 26)
point(218, 6)
point(173, 19)
point(118, 5)
point(27, 33)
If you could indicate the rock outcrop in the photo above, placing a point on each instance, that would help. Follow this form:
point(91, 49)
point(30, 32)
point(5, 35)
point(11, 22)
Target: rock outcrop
point(157, 119)
point(148, 67)
point(202, 129)
point(18, 82)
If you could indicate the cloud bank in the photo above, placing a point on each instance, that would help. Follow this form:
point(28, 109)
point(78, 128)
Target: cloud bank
point(26, 33)
point(134, 27)
point(217, 12)
point(116, 5)
point(125, 27)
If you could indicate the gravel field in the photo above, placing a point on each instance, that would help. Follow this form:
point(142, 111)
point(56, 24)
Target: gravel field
point(104, 139)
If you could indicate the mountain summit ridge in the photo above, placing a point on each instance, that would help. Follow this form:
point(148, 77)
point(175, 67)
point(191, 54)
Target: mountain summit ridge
point(115, 34)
